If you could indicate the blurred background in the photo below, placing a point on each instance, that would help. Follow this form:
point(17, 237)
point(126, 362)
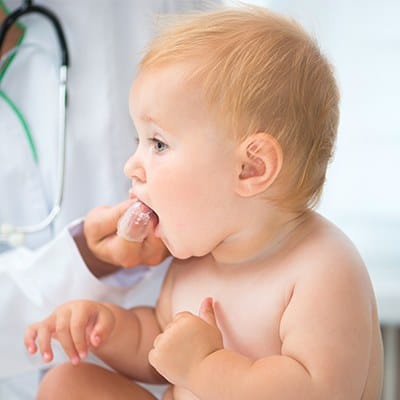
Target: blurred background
point(361, 38)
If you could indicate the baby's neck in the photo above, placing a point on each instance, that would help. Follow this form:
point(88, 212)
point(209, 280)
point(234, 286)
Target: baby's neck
point(260, 239)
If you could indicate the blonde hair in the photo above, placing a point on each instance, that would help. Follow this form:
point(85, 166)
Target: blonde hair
point(260, 72)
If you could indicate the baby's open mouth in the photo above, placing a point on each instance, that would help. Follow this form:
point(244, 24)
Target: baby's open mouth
point(137, 222)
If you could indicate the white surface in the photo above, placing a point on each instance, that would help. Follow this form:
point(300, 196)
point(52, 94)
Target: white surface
point(386, 282)
point(378, 243)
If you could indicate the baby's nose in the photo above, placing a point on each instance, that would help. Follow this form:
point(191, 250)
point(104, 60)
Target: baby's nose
point(134, 170)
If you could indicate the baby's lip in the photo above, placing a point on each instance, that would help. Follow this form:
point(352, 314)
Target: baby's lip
point(132, 194)
point(144, 206)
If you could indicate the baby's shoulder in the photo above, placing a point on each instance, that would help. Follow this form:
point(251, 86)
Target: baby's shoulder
point(327, 253)
point(325, 242)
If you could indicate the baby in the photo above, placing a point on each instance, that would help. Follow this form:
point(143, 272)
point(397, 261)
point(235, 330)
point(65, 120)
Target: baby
point(236, 112)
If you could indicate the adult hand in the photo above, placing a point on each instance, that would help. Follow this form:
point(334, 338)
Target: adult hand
point(100, 227)
point(13, 34)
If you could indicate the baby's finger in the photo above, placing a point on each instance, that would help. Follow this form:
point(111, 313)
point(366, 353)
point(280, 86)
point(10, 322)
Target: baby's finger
point(63, 334)
point(30, 338)
point(79, 323)
point(102, 328)
point(44, 342)
point(207, 311)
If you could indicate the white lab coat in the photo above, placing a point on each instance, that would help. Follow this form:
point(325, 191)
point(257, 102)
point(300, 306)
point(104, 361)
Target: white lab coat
point(105, 39)
point(33, 283)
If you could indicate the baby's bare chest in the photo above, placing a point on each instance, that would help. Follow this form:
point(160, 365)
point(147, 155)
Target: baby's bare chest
point(248, 307)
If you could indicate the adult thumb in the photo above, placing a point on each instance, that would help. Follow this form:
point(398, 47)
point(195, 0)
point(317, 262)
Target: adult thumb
point(101, 222)
point(207, 312)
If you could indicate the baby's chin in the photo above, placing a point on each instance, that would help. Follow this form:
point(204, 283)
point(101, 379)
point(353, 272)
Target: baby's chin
point(140, 220)
point(180, 252)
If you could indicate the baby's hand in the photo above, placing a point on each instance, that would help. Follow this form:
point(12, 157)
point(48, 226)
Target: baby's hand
point(77, 325)
point(185, 343)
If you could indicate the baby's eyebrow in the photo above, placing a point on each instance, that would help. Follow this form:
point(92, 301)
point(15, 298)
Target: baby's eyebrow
point(147, 118)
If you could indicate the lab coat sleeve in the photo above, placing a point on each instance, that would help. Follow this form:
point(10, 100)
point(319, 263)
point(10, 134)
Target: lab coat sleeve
point(33, 283)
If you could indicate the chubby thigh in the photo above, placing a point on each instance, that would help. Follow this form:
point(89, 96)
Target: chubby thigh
point(87, 380)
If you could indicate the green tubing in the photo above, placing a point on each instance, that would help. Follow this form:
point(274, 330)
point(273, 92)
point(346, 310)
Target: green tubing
point(23, 124)
point(20, 39)
point(9, 102)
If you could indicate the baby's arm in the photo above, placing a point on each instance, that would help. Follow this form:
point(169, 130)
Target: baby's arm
point(326, 339)
point(121, 338)
point(127, 348)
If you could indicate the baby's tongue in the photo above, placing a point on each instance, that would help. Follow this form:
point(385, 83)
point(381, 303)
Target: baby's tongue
point(137, 222)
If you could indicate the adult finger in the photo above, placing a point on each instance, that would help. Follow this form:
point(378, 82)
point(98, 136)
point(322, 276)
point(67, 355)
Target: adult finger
point(102, 221)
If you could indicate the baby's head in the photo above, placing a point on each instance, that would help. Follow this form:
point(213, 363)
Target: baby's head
point(261, 73)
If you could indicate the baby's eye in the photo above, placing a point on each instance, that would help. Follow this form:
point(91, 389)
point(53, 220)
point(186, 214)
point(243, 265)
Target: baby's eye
point(159, 146)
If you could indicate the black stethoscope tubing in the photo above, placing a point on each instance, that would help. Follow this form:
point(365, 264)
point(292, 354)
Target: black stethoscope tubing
point(28, 8)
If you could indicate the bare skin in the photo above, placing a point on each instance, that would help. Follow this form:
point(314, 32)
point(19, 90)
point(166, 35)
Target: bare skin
point(284, 331)
point(287, 310)
point(12, 36)
point(280, 339)
point(104, 251)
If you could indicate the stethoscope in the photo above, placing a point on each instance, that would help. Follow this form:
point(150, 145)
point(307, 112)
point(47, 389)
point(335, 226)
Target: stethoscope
point(11, 234)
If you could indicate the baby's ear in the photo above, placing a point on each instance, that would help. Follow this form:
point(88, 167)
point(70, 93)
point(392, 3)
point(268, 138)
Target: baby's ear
point(259, 163)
